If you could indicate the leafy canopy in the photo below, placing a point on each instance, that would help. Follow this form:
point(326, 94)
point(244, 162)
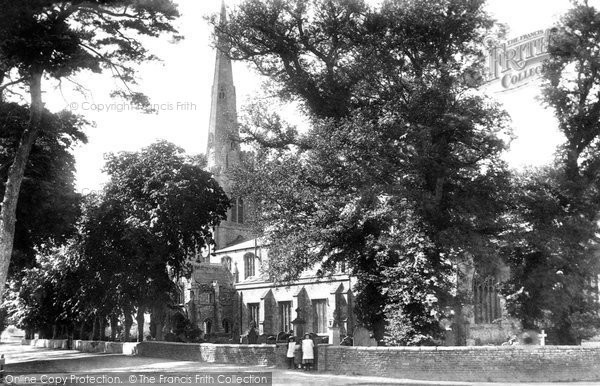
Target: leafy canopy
point(398, 135)
point(62, 38)
point(553, 243)
point(153, 217)
point(49, 205)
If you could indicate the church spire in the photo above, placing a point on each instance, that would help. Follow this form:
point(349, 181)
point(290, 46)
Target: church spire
point(223, 13)
point(223, 149)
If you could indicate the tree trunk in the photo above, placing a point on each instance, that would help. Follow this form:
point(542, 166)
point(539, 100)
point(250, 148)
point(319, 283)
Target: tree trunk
point(101, 327)
point(140, 322)
point(2, 75)
point(157, 321)
point(114, 324)
point(571, 165)
point(127, 325)
point(70, 336)
point(8, 210)
point(94, 328)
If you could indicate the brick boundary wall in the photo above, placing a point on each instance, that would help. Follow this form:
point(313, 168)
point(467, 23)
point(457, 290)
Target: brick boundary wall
point(475, 364)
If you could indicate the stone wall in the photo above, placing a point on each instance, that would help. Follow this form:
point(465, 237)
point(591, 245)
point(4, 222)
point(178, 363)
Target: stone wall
point(80, 345)
point(245, 354)
point(477, 364)
point(98, 347)
point(46, 343)
point(251, 355)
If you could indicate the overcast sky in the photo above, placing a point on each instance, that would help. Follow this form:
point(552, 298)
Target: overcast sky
point(182, 85)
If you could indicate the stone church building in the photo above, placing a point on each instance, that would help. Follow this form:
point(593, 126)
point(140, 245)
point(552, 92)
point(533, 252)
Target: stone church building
point(228, 292)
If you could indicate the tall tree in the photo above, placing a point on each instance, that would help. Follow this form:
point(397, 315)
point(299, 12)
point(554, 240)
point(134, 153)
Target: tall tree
point(58, 39)
point(154, 216)
point(554, 253)
point(399, 174)
point(48, 206)
point(168, 206)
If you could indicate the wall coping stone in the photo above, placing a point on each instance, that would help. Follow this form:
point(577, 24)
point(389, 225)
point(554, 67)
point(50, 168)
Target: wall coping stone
point(463, 348)
point(234, 345)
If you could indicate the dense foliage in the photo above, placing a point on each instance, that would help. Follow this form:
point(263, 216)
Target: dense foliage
point(49, 206)
point(134, 239)
point(553, 244)
point(399, 174)
point(59, 39)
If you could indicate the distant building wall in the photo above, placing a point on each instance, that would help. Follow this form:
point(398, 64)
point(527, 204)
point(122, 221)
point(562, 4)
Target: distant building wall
point(309, 304)
point(314, 305)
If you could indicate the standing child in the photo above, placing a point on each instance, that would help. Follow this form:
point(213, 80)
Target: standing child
point(308, 352)
point(290, 352)
point(298, 355)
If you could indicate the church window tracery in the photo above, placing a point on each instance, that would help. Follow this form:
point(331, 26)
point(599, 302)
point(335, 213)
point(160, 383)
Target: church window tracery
point(285, 315)
point(237, 210)
point(486, 300)
point(240, 211)
point(180, 294)
point(226, 326)
point(249, 265)
point(319, 315)
point(253, 313)
point(234, 211)
point(226, 261)
point(207, 326)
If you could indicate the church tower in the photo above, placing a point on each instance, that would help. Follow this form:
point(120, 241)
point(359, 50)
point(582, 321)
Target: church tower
point(223, 150)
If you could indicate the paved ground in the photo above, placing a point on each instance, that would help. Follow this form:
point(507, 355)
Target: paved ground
point(35, 362)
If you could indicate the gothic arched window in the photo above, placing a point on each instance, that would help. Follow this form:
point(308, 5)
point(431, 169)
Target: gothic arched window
point(237, 210)
point(226, 261)
point(240, 211)
point(486, 300)
point(180, 294)
point(226, 326)
point(234, 208)
point(249, 265)
point(222, 92)
point(207, 325)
